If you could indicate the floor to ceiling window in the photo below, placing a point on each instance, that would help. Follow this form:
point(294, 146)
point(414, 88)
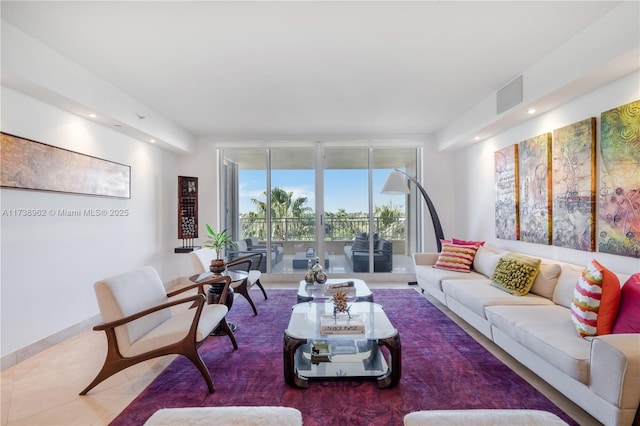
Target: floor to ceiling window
point(320, 202)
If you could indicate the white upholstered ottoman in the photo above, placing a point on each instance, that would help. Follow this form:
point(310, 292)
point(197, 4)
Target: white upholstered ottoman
point(226, 416)
point(483, 418)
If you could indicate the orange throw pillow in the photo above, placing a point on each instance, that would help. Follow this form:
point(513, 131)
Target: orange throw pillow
point(596, 300)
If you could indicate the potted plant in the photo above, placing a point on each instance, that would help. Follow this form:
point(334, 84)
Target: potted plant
point(218, 241)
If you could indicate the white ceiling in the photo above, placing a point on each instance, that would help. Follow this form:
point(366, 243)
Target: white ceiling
point(279, 69)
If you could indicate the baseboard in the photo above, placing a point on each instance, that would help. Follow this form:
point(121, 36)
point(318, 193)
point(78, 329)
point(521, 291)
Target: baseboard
point(20, 355)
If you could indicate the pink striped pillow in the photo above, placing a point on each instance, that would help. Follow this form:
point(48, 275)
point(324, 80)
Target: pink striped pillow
point(456, 257)
point(595, 302)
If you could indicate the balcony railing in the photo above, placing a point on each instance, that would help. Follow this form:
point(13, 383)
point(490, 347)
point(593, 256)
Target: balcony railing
point(303, 229)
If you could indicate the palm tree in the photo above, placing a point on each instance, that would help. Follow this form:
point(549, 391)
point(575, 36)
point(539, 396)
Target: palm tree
point(283, 206)
point(389, 214)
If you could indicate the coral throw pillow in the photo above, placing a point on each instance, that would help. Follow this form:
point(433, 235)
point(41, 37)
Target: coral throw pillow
point(595, 302)
point(456, 257)
point(467, 243)
point(628, 319)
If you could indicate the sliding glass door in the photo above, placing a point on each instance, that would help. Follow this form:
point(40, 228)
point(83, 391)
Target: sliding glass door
point(293, 208)
point(320, 201)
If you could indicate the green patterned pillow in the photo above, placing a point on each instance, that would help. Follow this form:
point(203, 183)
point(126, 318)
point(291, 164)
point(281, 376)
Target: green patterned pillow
point(515, 273)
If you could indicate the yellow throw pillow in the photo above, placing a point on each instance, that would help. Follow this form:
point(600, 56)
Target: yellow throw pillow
point(515, 273)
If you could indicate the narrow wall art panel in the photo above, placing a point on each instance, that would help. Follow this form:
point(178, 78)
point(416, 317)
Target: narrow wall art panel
point(619, 198)
point(573, 185)
point(534, 158)
point(27, 164)
point(506, 182)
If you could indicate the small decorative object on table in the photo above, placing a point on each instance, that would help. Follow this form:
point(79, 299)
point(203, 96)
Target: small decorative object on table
point(318, 274)
point(340, 303)
point(321, 277)
point(309, 277)
point(341, 324)
point(315, 273)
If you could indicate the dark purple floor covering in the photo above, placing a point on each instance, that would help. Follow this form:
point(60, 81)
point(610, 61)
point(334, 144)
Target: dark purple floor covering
point(443, 368)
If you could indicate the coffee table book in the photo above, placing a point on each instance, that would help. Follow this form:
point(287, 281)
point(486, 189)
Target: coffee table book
point(341, 324)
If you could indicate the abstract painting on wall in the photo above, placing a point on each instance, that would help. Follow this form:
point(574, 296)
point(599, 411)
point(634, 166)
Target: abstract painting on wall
point(619, 197)
point(27, 164)
point(573, 185)
point(506, 182)
point(534, 158)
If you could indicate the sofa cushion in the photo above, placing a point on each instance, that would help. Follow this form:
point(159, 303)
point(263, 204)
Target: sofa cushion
point(563, 292)
point(128, 293)
point(546, 280)
point(456, 257)
point(482, 417)
point(226, 416)
point(176, 328)
point(628, 319)
point(547, 331)
point(476, 295)
point(433, 277)
point(515, 273)
point(240, 245)
point(360, 245)
point(252, 241)
point(486, 260)
point(596, 299)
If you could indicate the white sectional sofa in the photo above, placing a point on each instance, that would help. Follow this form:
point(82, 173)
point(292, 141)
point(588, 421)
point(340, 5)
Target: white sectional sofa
point(601, 374)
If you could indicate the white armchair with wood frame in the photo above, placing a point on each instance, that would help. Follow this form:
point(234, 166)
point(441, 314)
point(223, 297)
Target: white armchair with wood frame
point(141, 322)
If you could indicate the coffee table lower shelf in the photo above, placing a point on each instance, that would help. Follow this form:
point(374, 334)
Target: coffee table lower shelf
point(348, 360)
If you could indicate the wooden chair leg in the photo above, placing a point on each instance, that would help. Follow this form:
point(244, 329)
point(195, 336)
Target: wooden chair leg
point(259, 284)
point(242, 289)
point(113, 364)
point(103, 374)
point(195, 358)
point(246, 296)
point(227, 330)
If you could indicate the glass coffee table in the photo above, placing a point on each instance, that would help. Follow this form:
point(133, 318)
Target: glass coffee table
point(358, 290)
point(311, 355)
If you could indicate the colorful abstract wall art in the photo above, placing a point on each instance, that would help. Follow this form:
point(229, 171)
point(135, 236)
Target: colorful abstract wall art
point(534, 158)
point(619, 196)
point(26, 164)
point(573, 185)
point(506, 184)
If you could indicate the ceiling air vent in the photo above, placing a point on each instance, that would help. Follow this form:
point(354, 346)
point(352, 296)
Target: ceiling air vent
point(510, 95)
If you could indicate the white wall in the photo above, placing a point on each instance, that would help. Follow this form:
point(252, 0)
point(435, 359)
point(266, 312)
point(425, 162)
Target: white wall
point(437, 180)
point(203, 164)
point(475, 193)
point(49, 264)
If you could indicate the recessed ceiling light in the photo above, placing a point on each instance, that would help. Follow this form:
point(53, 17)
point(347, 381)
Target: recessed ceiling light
point(152, 140)
point(531, 111)
point(92, 115)
point(477, 138)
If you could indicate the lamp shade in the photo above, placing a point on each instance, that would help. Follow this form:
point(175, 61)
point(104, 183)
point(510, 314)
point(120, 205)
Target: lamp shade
point(395, 184)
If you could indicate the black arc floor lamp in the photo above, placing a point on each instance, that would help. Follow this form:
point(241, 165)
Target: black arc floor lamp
point(396, 184)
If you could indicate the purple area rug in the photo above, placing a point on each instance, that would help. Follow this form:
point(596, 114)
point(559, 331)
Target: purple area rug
point(442, 368)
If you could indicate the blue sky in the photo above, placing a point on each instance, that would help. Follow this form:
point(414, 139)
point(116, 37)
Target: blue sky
point(344, 189)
